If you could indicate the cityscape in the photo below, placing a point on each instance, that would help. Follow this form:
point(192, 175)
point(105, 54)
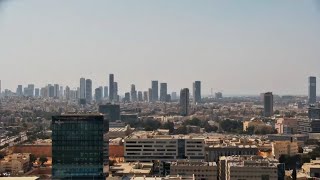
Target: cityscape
point(159, 90)
point(57, 133)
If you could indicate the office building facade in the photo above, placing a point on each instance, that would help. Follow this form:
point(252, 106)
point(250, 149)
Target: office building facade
point(184, 102)
point(78, 146)
point(111, 110)
point(197, 92)
point(312, 95)
point(111, 87)
point(88, 90)
point(82, 88)
point(268, 104)
point(155, 91)
point(163, 92)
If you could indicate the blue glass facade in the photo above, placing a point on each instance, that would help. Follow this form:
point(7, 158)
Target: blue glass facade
point(78, 146)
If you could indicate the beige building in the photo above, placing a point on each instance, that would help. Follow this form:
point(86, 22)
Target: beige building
point(284, 147)
point(312, 169)
point(15, 163)
point(148, 147)
point(247, 124)
point(200, 170)
point(132, 169)
point(248, 168)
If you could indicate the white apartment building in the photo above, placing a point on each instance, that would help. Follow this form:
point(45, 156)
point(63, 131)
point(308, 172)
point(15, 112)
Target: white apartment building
point(249, 168)
point(145, 148)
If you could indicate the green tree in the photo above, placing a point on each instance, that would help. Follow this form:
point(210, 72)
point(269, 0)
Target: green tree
point(43, 159)
point(168, 125)
point(32, 158)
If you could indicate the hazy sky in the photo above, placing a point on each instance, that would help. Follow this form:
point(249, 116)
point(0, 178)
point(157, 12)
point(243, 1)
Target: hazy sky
point(238, 47)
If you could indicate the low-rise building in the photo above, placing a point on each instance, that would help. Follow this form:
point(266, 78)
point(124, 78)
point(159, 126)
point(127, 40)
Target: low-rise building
point(250, 168)
point(214, 152)
point(15, 163)
point(284, 148)
point(148, 147)
point(200, 170)
point(131, 169)
point(312, 169)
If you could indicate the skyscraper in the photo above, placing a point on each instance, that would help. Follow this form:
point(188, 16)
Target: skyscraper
point(115, 92)
point(56, 90)
point(140, 96)
point(78, 146)
point(163, 92)
point(145, 96)
point(82, 88)
point(174, 96)
point(67, 93)
point(98, 94)
point(268, 104)
point(19, 91)
point(126, 98)
point(88, 90)
point(184, 102)
point(111, 87)
point(112, 111)
point(197, 92)
point(36, 92)
point(155, 91)
point(106, 92)
point(133, 93)
point(312, 90)
point(50, 91)
point(150, 94)
point(30, 90)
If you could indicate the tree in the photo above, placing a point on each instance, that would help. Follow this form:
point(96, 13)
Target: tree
point(32, 158)
point(181, 130)
point(43, 160)
point(2, 155)
point(168, 125)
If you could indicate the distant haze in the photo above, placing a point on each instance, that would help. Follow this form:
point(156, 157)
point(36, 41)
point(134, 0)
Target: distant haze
point(238, 47)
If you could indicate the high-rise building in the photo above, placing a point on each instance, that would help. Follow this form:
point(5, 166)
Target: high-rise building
point(155, 91)
point(140, 98)
point(268, 104)
point(115, 91)
point(218, 95)
point(98, 94)
point(88, 90)
point(50, 91)
point(163, 92)
point(111, 87)
point(61, 92)
point(126, 98)
point(44, 92)
point(82, 88)
point(30, 90)
point(133, 93)
point(67, 93)
point(56, 90)
point(19, 91)
point(36, 92)
point(197, 92)
point(312, 90)
point(145, 96)
point(106, 92)
point(150, 94)
point(112, 111)
point(174, 96)
point(78, 150)
point(184, 102)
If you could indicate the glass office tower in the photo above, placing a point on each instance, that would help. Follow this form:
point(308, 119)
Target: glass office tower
point(78, 150)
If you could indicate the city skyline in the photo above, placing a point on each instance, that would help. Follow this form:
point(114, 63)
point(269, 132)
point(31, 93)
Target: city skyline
point(237, 48)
